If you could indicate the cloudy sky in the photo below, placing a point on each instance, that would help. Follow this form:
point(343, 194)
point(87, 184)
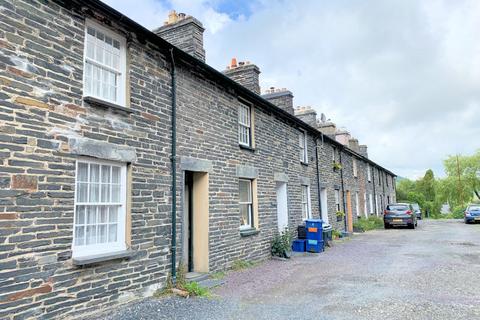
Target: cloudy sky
point(403, 76)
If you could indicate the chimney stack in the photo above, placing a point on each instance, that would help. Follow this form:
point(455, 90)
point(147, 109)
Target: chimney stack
point(353, 144)
point(184, 32)
point(244, 73)
point(363, 150)
point(343, 136)
point(307, 115)
point(282, 98)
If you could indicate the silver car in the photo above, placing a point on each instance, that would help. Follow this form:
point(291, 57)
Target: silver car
point(399, 214)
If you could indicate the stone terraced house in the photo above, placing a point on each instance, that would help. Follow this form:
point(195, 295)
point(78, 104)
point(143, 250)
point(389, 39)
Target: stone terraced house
point(122, 152)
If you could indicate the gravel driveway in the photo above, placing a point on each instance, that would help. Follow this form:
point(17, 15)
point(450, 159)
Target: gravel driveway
point(429, 273)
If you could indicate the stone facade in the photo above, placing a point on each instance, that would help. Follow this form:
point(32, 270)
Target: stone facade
point(47, 126)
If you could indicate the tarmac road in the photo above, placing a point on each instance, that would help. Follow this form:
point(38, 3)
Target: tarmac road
point(432, 272)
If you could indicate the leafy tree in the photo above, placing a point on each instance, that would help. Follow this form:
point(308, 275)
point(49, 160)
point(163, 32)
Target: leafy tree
point(462, 184)
point(426, 185)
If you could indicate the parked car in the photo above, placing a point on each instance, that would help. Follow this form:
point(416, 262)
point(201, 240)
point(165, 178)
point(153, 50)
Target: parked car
point(472, 213)
point(399, 214)
point(417, 210)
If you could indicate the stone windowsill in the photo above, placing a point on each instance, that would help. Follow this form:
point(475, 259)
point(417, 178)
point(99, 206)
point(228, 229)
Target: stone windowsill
point(105, 104)
point(249, 232)
point(248, 148)
point(81, 261)
point(304, 163)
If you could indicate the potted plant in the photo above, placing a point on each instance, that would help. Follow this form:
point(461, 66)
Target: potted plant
point(282, 244)
point(340, 215)
point(337, 166)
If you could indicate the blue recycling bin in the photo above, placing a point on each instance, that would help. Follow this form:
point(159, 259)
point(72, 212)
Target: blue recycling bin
point(314, 235)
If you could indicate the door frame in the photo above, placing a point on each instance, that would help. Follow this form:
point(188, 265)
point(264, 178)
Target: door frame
point(200, 220)
point(349, 212)
point(281, 189)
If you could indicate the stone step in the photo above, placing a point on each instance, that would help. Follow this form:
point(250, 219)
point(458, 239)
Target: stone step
point(196, 276)
point(211, 283)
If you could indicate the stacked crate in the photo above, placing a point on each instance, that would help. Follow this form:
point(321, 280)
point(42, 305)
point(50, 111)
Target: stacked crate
point(314, 235)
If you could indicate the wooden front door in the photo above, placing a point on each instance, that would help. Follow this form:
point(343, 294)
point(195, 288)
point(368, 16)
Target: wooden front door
point(349, 213)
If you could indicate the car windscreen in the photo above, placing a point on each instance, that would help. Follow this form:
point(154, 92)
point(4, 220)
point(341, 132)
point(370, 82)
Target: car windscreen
point(416, 206)
point(397, 207)
point(474, 208)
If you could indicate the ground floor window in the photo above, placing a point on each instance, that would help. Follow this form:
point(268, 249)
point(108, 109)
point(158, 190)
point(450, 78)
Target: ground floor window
point(246, 203)
point(370, 200)
point(357, 204)
point(337, 200)
point(100, 206)
point(306, 210)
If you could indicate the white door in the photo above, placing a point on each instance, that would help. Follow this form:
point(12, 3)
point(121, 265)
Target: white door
point(282, 206)
point(323, 199)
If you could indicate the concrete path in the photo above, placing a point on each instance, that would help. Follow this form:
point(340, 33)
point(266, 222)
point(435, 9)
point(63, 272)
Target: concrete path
point(429, 273)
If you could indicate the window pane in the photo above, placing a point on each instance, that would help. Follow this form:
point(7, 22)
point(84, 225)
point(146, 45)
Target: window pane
point(112, 217)
point(80, 215)
point(116, 193)
point(102, 233)
point(112, 233)
point(115, 175)
point(91, 214)
point(244, 219)
point(94, 189)
point(102, 214)
point(105, 190)
point(82, 172)
point(91, 234)
point(245, 191)
point(79, 236)
point(82, 192)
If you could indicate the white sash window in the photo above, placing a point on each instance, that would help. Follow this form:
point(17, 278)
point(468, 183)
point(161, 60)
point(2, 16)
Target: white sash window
point(100, 203)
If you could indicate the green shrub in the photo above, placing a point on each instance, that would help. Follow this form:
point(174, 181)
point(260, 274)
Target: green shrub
point(370, 223)
point(282, 244)
point(336, 234)
point(241, 264)
point(194, 289)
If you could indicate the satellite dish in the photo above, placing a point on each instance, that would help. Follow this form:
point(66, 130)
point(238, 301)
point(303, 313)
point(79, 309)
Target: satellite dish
point(322, 117)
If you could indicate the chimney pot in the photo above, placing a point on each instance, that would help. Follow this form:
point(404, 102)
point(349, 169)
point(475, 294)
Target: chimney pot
point(233, 63)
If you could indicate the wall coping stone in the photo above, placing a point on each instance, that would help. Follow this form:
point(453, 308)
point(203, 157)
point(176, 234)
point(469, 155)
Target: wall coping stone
point(247, 172)
point(304, 181)
point(280, 176)
point(196, 165)
point(102, 150)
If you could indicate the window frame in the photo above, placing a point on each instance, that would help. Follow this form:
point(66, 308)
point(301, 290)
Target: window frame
point(248, 125)
point(121, 96)
point(357, 204)
point(369, 173)
point(338, 208)
point(108, 247)
point(370, 203)
point(303, 138)
point(249, 204)
point(306, 203)
point(354, 168)
point(365, 204)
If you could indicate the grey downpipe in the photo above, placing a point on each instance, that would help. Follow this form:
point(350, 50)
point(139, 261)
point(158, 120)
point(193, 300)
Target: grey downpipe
point(343, 192)
point(318, 180)
point(374, 191)
point(174, 172)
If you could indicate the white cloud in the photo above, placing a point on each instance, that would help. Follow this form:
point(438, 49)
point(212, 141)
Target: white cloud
point(403, 75)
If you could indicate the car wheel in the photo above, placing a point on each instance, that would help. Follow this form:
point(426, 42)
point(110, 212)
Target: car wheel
point(387, 226)
point(412, 226)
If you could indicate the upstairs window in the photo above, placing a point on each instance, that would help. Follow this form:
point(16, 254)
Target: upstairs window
point(100, 206)
point(369, 173)
point(244, 125)
point(246, 203)
point(104, 64)
point(355, 172)
point(306, 210)
point(302, 139)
